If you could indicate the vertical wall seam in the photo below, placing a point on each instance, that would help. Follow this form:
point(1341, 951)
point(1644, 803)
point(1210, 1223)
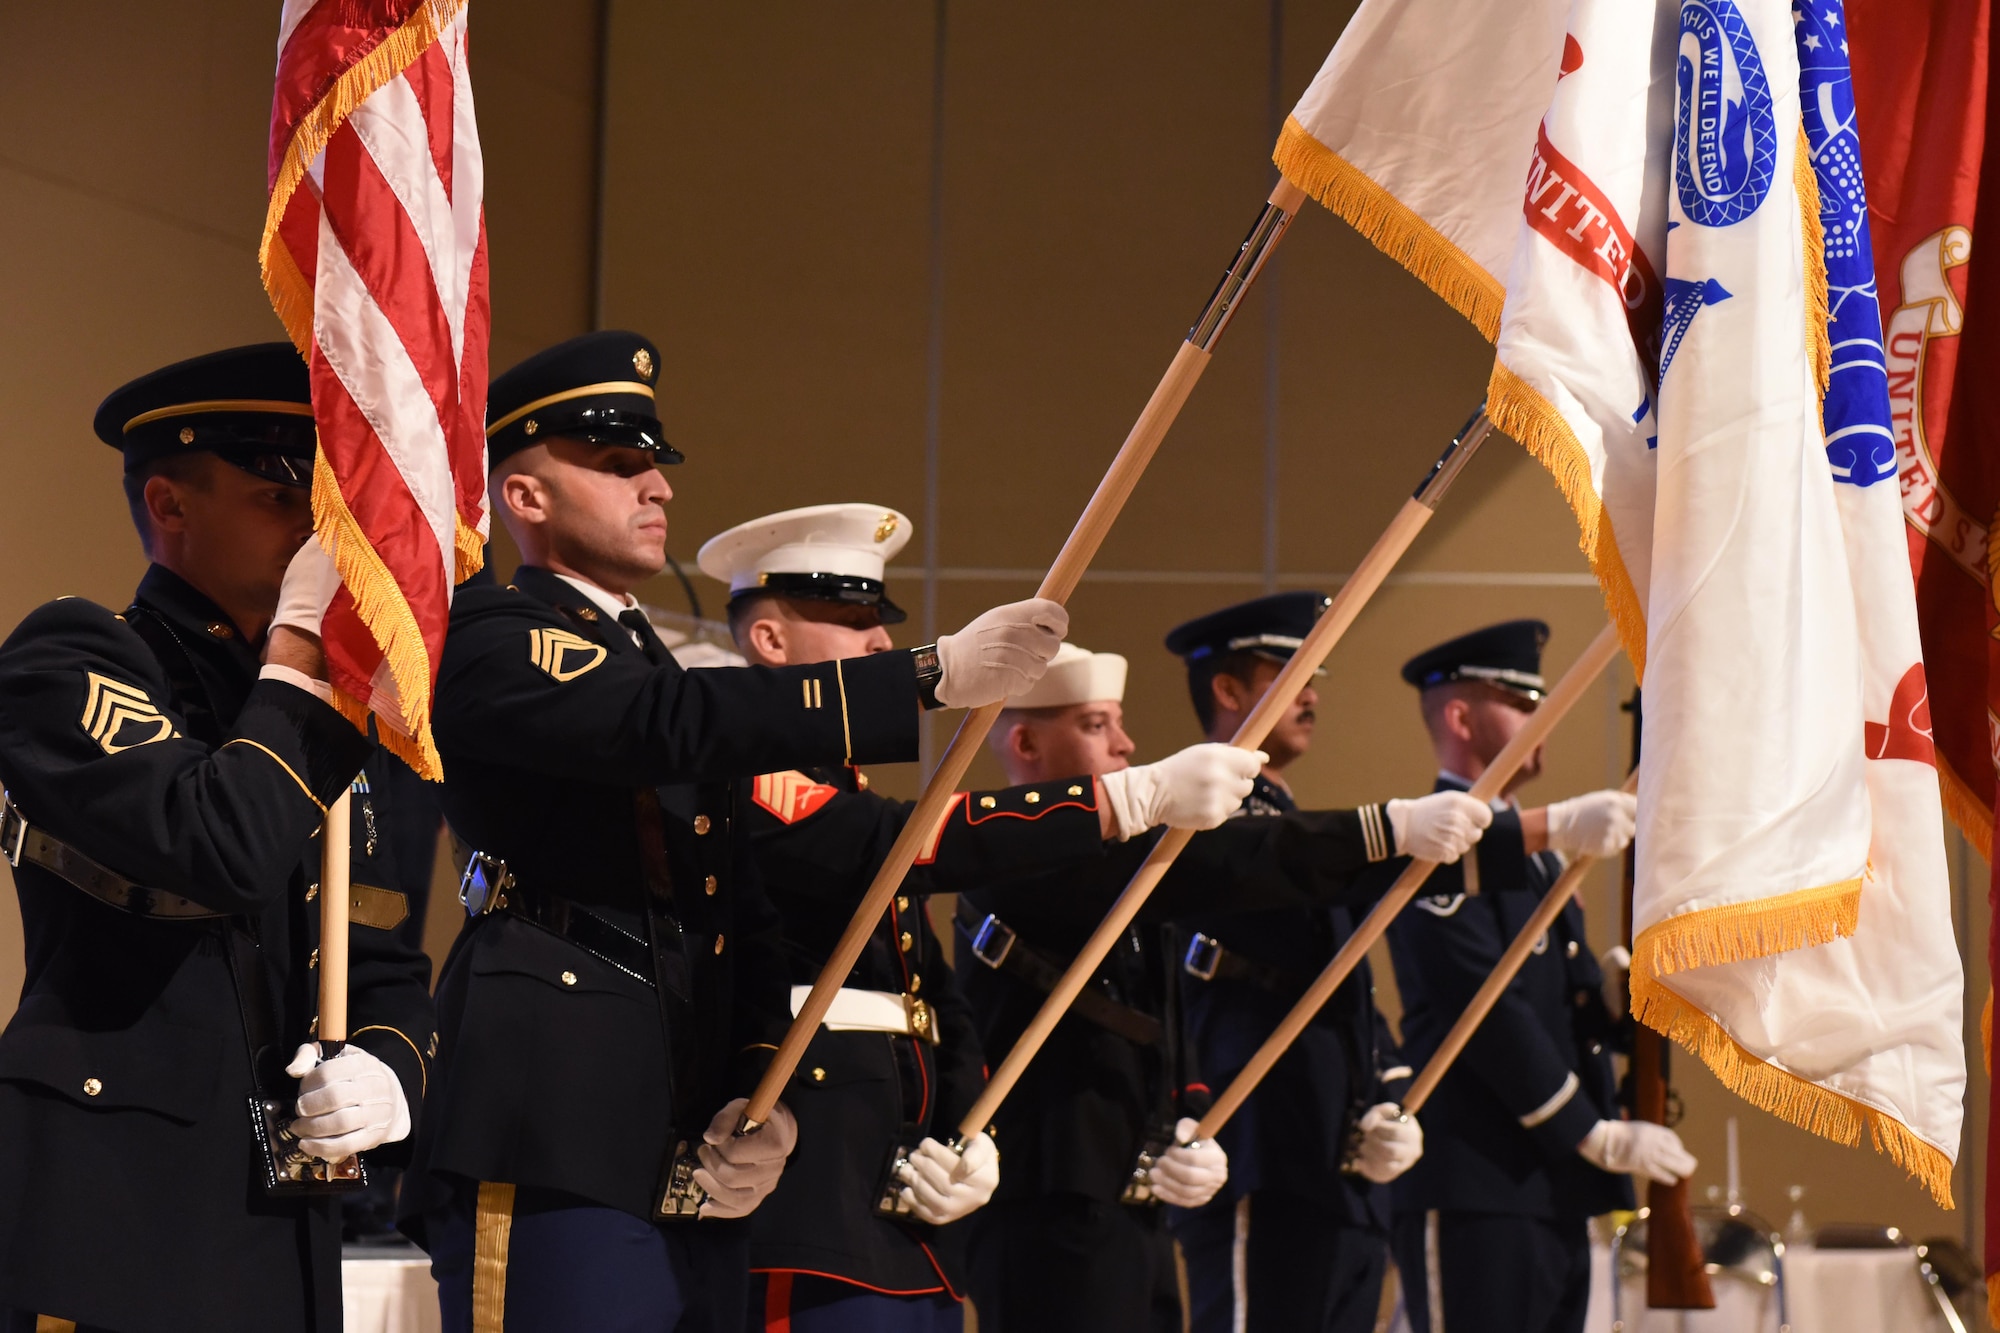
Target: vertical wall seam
point(934, 364)
point(1274, 113)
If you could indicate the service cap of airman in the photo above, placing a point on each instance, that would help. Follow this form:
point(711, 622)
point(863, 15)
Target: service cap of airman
point(1507, 656)
point(252, 406)
point(1076, 676)
point(1273, 627)
point(597, 387)
point(832, 553)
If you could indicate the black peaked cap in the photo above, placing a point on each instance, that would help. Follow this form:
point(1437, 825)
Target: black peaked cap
point(1507, 656)
point(1272, 627)
point(597, 387)
point(252, 405)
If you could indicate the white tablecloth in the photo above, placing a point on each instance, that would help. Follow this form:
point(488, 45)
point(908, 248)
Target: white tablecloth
point(1827, 1291)
point(389, 1295)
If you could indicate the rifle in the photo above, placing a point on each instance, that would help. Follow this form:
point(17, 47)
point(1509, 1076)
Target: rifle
point(1675, 1276)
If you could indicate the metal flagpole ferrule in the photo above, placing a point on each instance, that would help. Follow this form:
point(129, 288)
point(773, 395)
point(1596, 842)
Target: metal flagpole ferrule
point(1453, 460)
point(1265, 233)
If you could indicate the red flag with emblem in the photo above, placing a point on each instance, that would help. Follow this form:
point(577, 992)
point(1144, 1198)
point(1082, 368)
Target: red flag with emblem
point(374, 256)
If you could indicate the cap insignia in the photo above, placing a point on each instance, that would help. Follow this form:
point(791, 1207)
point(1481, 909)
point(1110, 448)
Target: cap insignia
point(642, 361)
point(886, 528)
point(187, 434)
point(530, 426)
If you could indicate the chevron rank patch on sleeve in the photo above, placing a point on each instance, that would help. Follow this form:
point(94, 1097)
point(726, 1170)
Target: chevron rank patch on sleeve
point(791, 795)
point(120, 717)
point(563, 655)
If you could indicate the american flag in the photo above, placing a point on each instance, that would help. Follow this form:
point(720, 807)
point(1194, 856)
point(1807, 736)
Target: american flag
point(374, 256)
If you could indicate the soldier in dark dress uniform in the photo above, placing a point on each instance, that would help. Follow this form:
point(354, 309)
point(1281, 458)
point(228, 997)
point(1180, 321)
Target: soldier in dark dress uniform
point(1299, 1238)
point(619, 984)
point(1075, 1238)
point(897, 1062)
point(1524, 1132)
point(163, 793)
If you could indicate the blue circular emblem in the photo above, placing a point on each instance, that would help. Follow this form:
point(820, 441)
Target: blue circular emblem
point(1725, 134)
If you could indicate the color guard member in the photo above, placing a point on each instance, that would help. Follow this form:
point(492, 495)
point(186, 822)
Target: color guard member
point(163, 793)
point(619, 985)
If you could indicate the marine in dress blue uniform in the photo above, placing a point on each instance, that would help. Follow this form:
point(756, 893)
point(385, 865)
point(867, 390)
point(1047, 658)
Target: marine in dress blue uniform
point(163, 796)
point(1491, 1224)
point(1294, 1240)
point(897, 1059)
point(620, 983)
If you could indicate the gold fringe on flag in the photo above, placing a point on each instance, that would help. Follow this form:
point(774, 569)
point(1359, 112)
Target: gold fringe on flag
point(1819, 344)
point(469, 550)
point(1521, 412)
point(1784, 1094)
point(386, 612)
point(1390, 226)
point(290, 295)
point(1964, 807)
point(1711, 936)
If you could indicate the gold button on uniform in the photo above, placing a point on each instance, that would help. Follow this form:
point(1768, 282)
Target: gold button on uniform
point(218, 630)
point(314, 960)
point(1075, 790)
point(312, 892)
point(569, 978)
point(987, 803)
point(916, 983)
point(91, 1087)
point(1570, 949)
point(908, 941)
point(860, 780)
point(902, 902)
point(708, 886)
point(700, 825)
point(718, 944)
point(1033, 798)
point(819, 1075)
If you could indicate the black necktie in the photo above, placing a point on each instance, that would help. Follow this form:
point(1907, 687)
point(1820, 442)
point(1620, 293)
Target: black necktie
point(635, 620)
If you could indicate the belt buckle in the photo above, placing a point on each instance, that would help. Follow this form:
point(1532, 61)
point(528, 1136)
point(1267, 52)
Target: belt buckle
point(13, 831)
point(922, 1018)
point(1204, 955)
point(991, 932)
point(483, 887)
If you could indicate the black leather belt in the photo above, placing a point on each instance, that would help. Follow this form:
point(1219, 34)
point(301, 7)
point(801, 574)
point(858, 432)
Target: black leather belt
point(21, 842)
point(1207, 960)
point(487, 886)
point(995, 944)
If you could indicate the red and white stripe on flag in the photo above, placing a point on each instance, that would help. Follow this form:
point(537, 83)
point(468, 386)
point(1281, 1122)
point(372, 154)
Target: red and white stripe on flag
point(374, 256)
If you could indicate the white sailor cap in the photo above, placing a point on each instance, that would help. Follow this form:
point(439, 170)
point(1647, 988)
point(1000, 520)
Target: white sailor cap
point(1076, 676)
point(834, 553)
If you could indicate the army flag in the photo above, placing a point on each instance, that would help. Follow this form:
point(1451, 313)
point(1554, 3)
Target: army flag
point(1664, 335)
point(374, 257)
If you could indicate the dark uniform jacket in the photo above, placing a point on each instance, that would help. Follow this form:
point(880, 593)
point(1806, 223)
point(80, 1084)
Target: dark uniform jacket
point(819, 840)
point(129, 1190)
point(1083, 1109)
point(1500, 1132)
point(569, 753)
point(1292, 1132)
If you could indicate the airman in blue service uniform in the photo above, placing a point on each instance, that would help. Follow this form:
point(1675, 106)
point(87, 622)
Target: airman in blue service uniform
point(1075, 1238)
point(897, 1063)
point(1298, 1239)
point(1524, 1132)
point(619, 984)
point(163, 793)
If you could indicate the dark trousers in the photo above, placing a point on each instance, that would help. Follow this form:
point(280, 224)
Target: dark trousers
point(805, 1303)
point(1272, 1262)
point(25, 1321)
point(1494, 1272)
point(1062, 1262)
point(566, 1264)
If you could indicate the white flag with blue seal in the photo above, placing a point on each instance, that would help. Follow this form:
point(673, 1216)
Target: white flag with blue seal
point(1689, 270)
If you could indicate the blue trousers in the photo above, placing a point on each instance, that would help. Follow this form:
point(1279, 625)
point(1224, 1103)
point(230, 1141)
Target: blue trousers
point(1497, 1272)
point(569, 1265)
point(806, 1303)
point(1302, 1268)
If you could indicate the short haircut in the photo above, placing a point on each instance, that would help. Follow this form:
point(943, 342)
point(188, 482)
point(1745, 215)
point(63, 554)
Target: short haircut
point(746, 607)
point(1241, 666)
point(187, 469)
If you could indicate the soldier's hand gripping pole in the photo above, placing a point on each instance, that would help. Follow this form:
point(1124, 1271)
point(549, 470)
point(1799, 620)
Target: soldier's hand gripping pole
point(1496, 983)
point(1063, 576)
point(1490, 785)
point(1326, 632)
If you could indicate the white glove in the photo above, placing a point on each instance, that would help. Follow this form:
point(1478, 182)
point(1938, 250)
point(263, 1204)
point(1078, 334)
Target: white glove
point(348, 1104)
point(1188, 1174)
point(1197, 788)
point(738, 1171)
point(1440, 827)
point(942, 1186)
point(1638, 1147)
point(1003, 652)
point(1391, 1143)
point(1597, 823)
point(308, 589)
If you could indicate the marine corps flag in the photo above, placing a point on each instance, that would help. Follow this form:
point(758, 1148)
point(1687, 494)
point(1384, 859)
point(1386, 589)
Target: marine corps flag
point(1629, 199)
point(374, 256)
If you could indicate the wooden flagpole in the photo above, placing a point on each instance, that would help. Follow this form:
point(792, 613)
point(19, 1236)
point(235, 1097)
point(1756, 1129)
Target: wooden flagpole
point(1495, 985)
point(336, 859)
point(1084, 539)
point(1326, 632)
point(1490, 785)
